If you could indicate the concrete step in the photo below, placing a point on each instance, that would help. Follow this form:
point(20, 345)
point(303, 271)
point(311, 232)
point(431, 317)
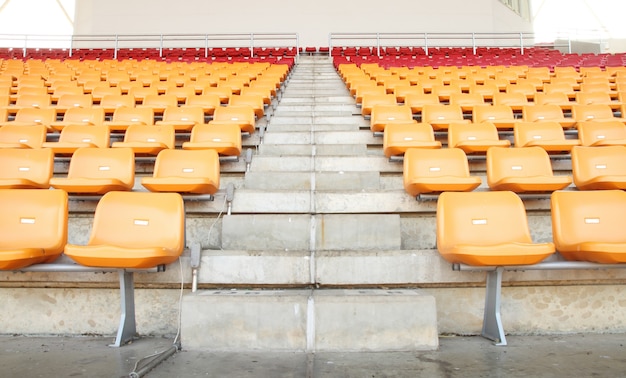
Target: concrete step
point(305, 232)
point(268, 149)
point(325, 164)
point(311, 320)
point(349, 181)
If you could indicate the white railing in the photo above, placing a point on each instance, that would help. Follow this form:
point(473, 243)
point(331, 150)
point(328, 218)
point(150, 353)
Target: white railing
point(427, 41)
point(253, 41)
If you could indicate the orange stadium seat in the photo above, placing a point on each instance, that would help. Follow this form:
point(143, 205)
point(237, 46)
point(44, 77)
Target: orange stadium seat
point(526, 169)
point(125, 116)
point(242, 116)
point(182, 118)
point(22, 136)
point(437, 170)
point(475, 137)
point(98, 171)
point(547, 135)
point(74, 137)
point(398, 137)
point(599, 167)
point(33, 116)
point(80, 116)
point(587, 225)
point(185, 171)
point(134, 230)
point(551, 112)
point(370, 100)
point(159, 102)
point(501, 116)
point(33, 226)
point(254, 101)
point(416, 101)
point(602, 133)
point(208, 102)
point(439, 116)
point(486, 229)
point(596, 112)
point(147, 139)
point(225, 138)
point(26, 168)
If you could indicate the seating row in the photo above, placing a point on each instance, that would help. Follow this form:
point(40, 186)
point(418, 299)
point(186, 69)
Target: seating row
point(489, 231)
point(520, 170)
point(182, 118)
point(131, 231)
point(441, 116)
point(477, 138)
point(102, 170)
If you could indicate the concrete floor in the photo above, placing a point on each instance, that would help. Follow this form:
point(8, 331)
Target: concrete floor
point(588, 355)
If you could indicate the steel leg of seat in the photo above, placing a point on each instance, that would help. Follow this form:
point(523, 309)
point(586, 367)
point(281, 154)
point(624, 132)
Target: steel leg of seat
point(492, 321)
point(127, 328)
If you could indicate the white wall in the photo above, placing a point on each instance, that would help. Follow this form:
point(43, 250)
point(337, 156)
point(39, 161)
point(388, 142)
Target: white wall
point(312, 20)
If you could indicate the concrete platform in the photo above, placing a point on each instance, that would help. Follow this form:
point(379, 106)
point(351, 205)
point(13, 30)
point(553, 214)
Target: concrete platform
point(580, 355)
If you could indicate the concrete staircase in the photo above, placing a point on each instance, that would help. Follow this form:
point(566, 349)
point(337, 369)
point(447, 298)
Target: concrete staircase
point(314, 237)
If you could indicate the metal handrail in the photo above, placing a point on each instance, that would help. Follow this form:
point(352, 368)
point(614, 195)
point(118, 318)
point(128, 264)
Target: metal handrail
point(116, 42)
point(518, 40)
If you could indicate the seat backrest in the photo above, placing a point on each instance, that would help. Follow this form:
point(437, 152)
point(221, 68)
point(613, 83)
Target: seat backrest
point(558, 98)
point(152, 134)
point(116, 163)
point(34, 101)
point(93, 116)
point(510, 99)
point(480, 218)
point(209, 102)
point(37, 116)
point(549, 112)
point(435, 163)
point(132, 114)
point(433, 113)
point(592, 162)
point(601, 132)
point(160, 100)
point(484, 131)
point(517, 162)
point(591, 112)
point(492, 112)
point(238, 113)
point(588, 98)
point(97, 135)
point(34, 165)
point(139, 219)
point(525, 132)
point(188, 163)
point(75, 101)
point(369, 100)
point(587, 216)
point(34, 218)
point(30, 136)
point(184, 113)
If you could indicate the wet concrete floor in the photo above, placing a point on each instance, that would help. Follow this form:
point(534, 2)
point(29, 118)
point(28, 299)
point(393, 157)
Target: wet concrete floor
point(587, 355)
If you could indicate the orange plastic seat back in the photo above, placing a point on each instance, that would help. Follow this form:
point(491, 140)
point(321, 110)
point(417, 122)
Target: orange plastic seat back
point(131, 115)
point(477, 137)
point(400, 136)
point(440, 115)
point(224, 138)
point(437, 170)
point(208, 102)
point(599, 167)
point(591, 112)
point(588, 225)
point(385, 114)
point(522, 169)
point(255, 101)
point(492, 113)
point(241, 115)
point(185, 171)
point(110, 102)
point(33, 226)
point(33, 101)
point(370, 100)
point(83, 116)
point(26, 168)
point(75, 136)
point(480, 218)
point(22, 136)
point(68, 101)
point(134, 230)
point(99, 170)
point(602, 133)
point(486, 228)
point(146, 138)
point(548, 135)
point(35, 116)
point(534, 113)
